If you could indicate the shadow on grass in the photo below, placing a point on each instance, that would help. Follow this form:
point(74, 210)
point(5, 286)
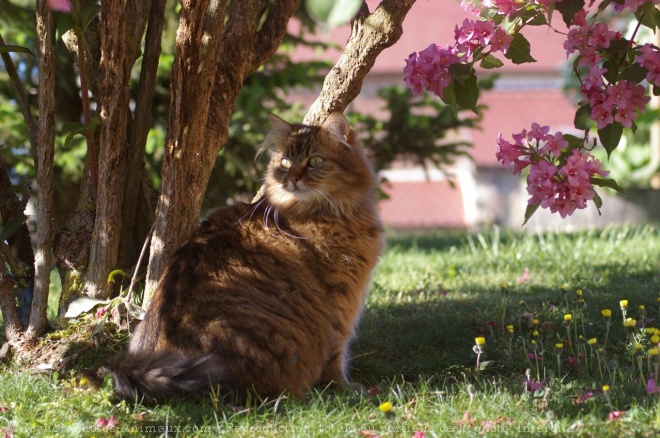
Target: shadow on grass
point(432, 340)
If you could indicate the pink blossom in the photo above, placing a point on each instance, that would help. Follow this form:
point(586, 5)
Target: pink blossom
point(428, 70)
point(100, 312)
point(649, 58)
point(418, 434)
point(501, 40)
point(615, 415)
point(525, 277)
point(511, 155)
point(532, 386)
point(601, 36)
point(506, 7)
point(541, 182)
point(580, 19)
point(554, 144)
point(651, 387)
point(538, 132)
point(602, 116)
point(60, 5)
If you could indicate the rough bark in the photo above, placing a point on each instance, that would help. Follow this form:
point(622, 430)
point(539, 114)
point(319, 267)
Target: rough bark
point(198, 37)
point(244, 46)
point(370, 35)
point(137, 221)
point(113, 113)
point(45, 158)
point(13, 326)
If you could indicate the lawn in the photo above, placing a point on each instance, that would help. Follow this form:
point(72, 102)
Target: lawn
point(432, 295)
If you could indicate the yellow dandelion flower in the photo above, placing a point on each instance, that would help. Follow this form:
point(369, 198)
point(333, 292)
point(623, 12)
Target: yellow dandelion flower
point(592, 341)
point(641, 307)
point(578, 292)
point(559, 345)
point(655, 339)
point(535, 333)
point(385, 407)
point(568, 317)
point(480, 340)
point(535, 321)
point(83, 381)
point(629, 323)
point(637, 346)
point(606, 388)
point(654, 352)
point(623, 304)
point(509, 328)
point(606, 313)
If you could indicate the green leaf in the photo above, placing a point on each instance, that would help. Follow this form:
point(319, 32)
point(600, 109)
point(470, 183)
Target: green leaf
point(610, 136)
point(600, 182)
point(633, 73)
point(573, 141)
point(519, 50)
point(582, 120)
point(449, 97)
point(87, 15)
point(73, 129)
point(532, 17)
point(612, 73)
point(529, 211)
point(82, 305)
point(113, 274)
point(10, 227)
point(460, 72)
point(568, 9)
point(489, 61)
point(64, 23)
point(648, 15)
point(333, 13)
point(467, 93)
point(11, 48)
point(598, 202)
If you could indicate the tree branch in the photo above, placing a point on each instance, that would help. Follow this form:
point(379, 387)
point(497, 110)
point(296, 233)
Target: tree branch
point(370, 35)
point(21, 98)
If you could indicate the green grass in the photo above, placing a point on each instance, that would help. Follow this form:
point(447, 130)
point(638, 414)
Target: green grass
point(431, 296)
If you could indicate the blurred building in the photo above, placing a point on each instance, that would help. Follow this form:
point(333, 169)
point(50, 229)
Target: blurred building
point(484, 192)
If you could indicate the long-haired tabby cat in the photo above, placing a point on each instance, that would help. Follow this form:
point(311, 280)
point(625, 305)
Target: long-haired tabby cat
point(266, 297)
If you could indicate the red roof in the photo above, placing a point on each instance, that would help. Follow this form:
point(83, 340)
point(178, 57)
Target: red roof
point(433, 21)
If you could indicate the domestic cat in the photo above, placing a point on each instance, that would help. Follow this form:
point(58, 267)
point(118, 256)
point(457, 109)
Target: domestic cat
point(266, 297)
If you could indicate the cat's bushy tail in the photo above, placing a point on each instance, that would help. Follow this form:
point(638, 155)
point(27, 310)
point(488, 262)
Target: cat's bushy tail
point(153, 376)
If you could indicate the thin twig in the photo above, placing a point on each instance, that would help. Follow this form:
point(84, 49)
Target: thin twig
point(21, 98)
point(139, 262)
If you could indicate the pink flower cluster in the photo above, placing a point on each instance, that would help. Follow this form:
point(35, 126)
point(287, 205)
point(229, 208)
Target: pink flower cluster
point(617, 102)
point(562, 185)
point(649, 58)
point(429, 70)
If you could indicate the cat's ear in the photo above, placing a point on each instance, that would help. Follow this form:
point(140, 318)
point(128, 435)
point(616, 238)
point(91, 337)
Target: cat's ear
point(337, 125)
point(282, 127)
point(280, 130)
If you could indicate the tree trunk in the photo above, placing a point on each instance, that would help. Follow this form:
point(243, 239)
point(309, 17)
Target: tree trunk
point(136, 220)
point(114, 74)
point(191, 149)
point(45, 164)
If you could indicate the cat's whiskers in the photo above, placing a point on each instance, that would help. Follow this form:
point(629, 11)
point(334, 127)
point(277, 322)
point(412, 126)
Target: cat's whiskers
point(276, 217)
point(250, 211)
point(332, 202)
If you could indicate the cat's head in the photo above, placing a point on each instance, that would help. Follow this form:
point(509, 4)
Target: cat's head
point(317, 168)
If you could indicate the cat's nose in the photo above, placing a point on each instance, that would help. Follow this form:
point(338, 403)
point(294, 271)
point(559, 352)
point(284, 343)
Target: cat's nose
point(294, 179)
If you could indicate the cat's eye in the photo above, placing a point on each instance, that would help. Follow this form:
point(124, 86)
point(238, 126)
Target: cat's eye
point(285, 163)
point(315, 161)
